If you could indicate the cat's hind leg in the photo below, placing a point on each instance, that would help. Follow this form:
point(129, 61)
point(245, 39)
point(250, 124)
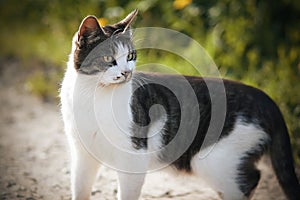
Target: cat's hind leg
point(84, 170)
point(248, 175)
point(229, 166)
point(130, 185)
point(219, 173)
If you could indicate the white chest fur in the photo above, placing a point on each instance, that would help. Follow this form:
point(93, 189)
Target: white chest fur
point(102, 109)
point(103, 123)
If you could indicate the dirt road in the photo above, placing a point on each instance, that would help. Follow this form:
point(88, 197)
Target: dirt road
point(34, 156)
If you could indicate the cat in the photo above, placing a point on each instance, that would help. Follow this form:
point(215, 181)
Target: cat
point(253, 124)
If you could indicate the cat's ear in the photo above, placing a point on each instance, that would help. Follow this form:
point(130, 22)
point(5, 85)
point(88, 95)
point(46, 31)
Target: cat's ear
point(123, 25)
point(88, 26)
point(127, 21)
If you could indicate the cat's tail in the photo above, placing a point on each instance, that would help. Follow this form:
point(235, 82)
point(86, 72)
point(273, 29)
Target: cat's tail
point(282, 159)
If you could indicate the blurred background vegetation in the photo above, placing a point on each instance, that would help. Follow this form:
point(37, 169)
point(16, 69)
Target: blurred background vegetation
point(253, 41)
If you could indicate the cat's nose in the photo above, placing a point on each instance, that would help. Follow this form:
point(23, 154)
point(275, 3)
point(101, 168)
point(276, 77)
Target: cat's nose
point(126, 73)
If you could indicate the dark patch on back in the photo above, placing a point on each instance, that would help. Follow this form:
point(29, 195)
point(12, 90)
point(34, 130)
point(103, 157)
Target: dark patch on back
point(242, 101)
point(143, 99)
point(148, 95)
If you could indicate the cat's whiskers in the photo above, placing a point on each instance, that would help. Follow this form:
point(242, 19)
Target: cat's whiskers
point(139, 81)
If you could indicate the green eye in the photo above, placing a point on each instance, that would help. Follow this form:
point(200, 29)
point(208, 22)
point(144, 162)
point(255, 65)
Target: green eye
point(131, 55)
point(108, 59)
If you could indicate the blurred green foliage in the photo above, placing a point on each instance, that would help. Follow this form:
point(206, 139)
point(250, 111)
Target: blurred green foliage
point(254, 41)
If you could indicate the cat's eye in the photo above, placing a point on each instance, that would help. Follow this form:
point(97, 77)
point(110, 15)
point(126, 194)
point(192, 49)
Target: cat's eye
point(131, 55)
point(108, 59)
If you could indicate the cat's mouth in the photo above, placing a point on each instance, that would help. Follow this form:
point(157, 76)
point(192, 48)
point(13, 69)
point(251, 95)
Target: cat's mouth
point(123, 79)
point(117, 80)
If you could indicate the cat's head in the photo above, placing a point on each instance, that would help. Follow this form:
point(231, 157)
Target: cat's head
point(105, 51)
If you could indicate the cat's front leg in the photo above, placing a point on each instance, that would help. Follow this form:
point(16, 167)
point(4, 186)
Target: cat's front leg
point(130, 185)
point(84, 169)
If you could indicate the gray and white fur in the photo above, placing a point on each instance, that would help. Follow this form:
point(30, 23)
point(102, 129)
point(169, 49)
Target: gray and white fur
point(99, 74)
